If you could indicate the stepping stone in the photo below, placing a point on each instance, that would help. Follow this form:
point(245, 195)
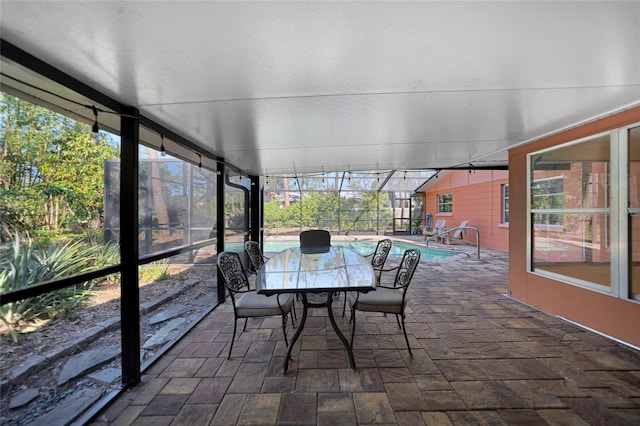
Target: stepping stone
point(86, 362)
point(166, 333)
point(69, 409)
point(108, 375)
point(167, 314)
point(31, 365)
point(23, 398)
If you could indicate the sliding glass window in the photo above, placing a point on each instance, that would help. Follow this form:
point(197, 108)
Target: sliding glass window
point(570, 211)
point(577, 234)
point(634, 211)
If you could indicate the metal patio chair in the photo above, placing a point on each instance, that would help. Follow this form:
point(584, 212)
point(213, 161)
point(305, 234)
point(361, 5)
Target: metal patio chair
point(378, 259)
point(315, 241)
point(257, 258)
point(388, 299)
point(247, 303)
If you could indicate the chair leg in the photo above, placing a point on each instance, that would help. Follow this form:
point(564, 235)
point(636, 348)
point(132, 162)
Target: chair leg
point(284, 328)
point(353, 326)
point(245, 325)
point(406, 339)
point(398, 319)
point(233, 338)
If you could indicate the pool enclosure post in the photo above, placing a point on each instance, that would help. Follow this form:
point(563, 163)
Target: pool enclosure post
point(129, 248)
point(220, 225)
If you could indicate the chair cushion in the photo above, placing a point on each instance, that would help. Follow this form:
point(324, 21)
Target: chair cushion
point(381, 300)
point(252, 304)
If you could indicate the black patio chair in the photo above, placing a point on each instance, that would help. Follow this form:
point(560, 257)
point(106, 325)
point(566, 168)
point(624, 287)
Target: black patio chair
point(257, 258)
point(378, 259)
point(248, 303)
point(315, 241)
point(388, 299)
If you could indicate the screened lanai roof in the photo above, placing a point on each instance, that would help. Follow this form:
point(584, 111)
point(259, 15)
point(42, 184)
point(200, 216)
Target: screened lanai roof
point(389, 180)
point(277, 88)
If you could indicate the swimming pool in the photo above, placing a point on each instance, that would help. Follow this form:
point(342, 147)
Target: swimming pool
point(363, 247)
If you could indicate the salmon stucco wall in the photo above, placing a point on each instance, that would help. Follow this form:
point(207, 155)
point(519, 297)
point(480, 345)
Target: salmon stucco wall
point(477, 197)
point(613, 316)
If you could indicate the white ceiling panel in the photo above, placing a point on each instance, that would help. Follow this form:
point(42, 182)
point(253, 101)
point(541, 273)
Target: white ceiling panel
point(281, 87)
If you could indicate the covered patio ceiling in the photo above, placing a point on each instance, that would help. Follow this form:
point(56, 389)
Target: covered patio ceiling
point(309, 87)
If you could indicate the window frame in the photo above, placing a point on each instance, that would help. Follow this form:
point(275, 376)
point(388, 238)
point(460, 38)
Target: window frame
point(620, 281)
point(505, 203)
point(442, 203)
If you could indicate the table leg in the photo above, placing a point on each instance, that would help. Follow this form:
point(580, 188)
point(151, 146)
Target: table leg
point(285, 367)
point(346, 344)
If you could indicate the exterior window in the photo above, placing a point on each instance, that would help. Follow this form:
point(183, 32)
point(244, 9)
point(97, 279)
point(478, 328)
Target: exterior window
point(445, 203)
point(505, 203)
point(548, 194)
point(633, 211)
point(570, 190)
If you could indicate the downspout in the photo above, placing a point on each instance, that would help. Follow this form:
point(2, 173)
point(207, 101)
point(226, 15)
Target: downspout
point(246, 203)
point(256, 208)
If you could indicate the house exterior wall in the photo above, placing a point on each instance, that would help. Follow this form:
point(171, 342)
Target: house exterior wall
point(477, 197)
point(616, 317)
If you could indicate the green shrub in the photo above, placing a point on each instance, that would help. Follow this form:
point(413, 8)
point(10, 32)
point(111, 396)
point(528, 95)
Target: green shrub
point(156, 271)
point(25, 266)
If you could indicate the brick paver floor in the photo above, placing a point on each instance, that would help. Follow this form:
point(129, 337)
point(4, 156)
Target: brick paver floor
point(479, 357)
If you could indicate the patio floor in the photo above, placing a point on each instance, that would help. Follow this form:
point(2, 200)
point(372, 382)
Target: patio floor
point(479, 357)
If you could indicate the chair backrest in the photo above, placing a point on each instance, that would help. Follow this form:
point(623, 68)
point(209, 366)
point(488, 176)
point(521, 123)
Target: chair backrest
point(235, 277)
point(380, 255)
point(315, 240)
point(439, 226)
point(408, 265)
point(255, 254)
point(458, 233)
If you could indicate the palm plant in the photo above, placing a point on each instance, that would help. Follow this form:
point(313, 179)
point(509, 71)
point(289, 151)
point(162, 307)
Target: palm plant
point(25, 266)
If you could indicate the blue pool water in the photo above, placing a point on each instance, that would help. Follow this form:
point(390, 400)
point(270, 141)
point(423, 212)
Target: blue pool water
point(361, 246)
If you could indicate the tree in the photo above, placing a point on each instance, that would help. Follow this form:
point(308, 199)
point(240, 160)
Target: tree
point(51, 169)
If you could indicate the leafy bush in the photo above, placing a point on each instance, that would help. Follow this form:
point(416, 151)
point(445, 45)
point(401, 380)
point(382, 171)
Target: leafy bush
point(24, 266)
point(156, 271)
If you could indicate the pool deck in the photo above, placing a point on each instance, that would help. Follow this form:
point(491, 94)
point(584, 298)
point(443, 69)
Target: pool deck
point(479, 357)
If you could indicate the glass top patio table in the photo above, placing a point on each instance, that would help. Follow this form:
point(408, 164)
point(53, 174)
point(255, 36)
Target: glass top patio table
point(338, 269)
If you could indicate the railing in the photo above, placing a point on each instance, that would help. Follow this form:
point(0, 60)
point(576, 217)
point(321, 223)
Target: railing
point(447, 231)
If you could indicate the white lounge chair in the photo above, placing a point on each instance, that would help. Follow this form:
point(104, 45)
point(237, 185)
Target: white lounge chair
point(457, 235)
point(459, 229)
point(435, 233)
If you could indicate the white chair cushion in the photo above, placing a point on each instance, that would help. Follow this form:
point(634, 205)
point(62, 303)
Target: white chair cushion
point(381, 300)
point(253, 304)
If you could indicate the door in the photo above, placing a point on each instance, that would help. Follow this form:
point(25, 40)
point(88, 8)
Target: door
point(401, 213)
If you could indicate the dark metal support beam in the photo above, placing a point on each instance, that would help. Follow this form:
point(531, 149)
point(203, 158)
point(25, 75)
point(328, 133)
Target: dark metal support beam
point(129, 250)
point(220, 224)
